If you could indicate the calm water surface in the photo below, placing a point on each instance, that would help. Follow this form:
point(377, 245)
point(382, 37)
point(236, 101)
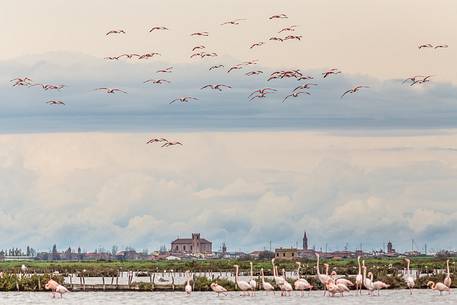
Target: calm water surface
point(177, 298)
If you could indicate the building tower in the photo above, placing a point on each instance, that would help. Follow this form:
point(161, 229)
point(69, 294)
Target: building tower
point(195, 248)
point(390, 248)
point(305, 241)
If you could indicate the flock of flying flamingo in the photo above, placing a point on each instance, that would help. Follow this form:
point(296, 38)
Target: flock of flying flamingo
point(285, 33)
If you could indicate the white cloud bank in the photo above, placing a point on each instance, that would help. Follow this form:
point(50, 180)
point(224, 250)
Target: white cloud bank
point(99, 189)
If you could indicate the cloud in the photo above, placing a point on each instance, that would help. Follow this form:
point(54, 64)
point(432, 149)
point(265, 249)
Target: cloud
point(99, 189)
point(387, 104)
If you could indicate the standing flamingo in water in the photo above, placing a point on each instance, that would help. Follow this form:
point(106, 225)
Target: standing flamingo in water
point(409, 279)
point(286, 287)
point(323, 278)
point(448, 280)
point(265, 285)
point(252, 281)
point(378, 285)
point(244, 286)
point(367, 283)
point(188, 288)
point(359, 278)
point(278, 280)
point(438, 286)
point(301, 284)
point(218, 289)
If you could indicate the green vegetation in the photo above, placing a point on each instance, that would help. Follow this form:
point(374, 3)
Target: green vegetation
point(110, 268)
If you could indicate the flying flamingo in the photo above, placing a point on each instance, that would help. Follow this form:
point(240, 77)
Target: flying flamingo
point(254, 73)
point(359, 277)
point(297, 37)
point(409, 279)
point(111, 90)
point(276, 39)
point(304, 86)
point(441, 46)
point(55, 102)
point(216, 67)
point(252, 281)
point(216, 87)
point(149, 55)
point(353, 90)
point(295, 94)
point(200, 34)
point(242, 285)
point(115, 32)
point(129, 56)
point(156, 140)
point(166, 70)
point(198, 48)
point(158, 28)
point(279, 16)
point(258, 44)
point(447, 280)
point(21, 80)
point(438, 286)
point(288, 29)
point(218, 289)
point(167, 144)
point(323, 278)
point(112, 57)
point(331, 72)
point(265, 285)
point(238, 67)
point(184, 99)
point(427, 45)
point(233, 22)
point(188, 288)
point(301, 284)
point(157, 81)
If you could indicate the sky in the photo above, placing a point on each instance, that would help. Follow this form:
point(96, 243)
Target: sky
point(375, 166)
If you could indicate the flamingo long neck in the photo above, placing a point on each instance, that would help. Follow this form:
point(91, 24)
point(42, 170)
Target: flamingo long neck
point(274, 269)
point(236, 274)
point(447, 267)
point(263, 276)
point(298, 270)
point(364, 273)
point(326, 269)
point(317, 266)
point(360, 267)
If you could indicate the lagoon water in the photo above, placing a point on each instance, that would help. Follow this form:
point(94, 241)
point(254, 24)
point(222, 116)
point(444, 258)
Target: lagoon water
point(394, 297)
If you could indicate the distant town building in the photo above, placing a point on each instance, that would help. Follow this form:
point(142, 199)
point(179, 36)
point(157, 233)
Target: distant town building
point(305, 241)
point(286, 253)
point(194, 245)
point(390, 249)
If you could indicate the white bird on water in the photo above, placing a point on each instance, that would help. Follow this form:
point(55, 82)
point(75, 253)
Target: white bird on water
point(408, 278)
point(242, 285)
point(188, 287)
point(252, 281)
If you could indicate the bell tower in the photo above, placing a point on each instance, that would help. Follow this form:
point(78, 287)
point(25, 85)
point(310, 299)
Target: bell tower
point(305, 241)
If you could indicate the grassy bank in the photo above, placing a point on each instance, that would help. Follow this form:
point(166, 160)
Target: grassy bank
point(343, 266)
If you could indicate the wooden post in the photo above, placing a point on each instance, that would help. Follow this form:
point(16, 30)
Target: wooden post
point(39, 283)
point(103, 279)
